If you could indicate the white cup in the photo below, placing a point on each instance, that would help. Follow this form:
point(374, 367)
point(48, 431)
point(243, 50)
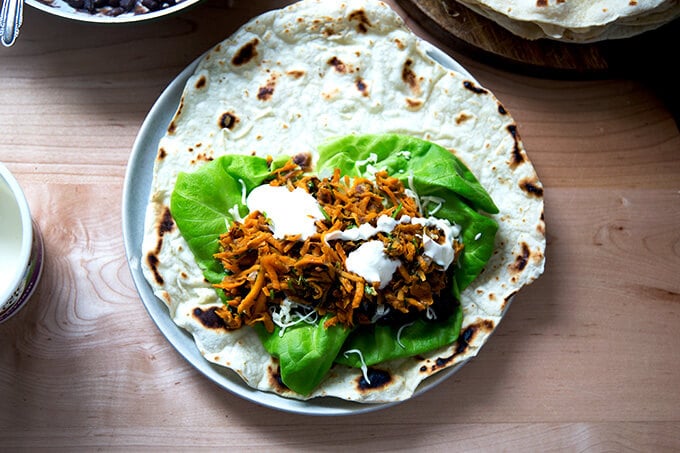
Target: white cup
point(21, 247)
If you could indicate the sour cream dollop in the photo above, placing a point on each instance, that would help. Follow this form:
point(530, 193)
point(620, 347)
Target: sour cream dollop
point(442, 254)
point(290, 212)
point(370, 262)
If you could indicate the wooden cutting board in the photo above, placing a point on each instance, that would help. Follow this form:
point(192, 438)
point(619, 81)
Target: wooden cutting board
point(470, 33)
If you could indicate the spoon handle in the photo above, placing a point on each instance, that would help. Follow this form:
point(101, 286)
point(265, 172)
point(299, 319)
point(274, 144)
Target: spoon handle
point(11, 17)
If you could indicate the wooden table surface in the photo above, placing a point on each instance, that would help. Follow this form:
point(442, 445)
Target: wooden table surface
point(587, 359)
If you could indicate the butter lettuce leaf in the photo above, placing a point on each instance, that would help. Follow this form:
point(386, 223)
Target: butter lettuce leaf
point(305, 351)
point(201, 200)
point(381, 342)
point(432, 168)
point(432, 171)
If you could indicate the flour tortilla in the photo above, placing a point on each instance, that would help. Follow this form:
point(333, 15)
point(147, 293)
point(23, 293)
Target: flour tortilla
point(577, 21)
point(293, 78)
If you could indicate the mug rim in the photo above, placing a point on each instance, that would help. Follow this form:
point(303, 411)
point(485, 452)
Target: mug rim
point(19, 197)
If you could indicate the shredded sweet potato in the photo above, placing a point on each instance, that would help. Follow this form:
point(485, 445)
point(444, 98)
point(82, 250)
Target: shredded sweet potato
point(263, 271)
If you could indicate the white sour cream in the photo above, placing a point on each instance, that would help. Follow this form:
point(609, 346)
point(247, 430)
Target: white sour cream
point(370, 262)
point(442, 254)
point(290, 212)
point(365, 231)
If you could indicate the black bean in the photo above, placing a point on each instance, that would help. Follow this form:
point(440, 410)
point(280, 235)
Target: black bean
point(127, 5)
point(153, 5)
point(117, 7)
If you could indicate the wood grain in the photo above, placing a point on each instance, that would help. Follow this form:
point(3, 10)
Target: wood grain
point(586, 359)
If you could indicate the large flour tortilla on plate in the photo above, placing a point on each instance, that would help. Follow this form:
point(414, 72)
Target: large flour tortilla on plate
point(578, 21)
point(292, 78)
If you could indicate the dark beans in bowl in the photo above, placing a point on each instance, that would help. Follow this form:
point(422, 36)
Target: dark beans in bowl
point(118, 7)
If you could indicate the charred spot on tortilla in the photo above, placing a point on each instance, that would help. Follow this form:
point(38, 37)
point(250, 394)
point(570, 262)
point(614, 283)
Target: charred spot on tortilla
point(161, 153)
point(209, 318)
point(172, 127)
point(166, 224)
point(467, 335)
point(359, 16)
point(474, 88)
point(461, 346)
point(246, 53)
point(541, 224)
point(153, 262)
point(377, 378)
point(517, 156)
point(540, 3)
point(201, 82)
point(501, 109)
point(409, 77)
point(265, 93)
point(413, 104)
point(508, 299)
point(296, 73)
point(361, 86)
point(522, 259)
point(338, 65)
point(400, 44)
point(462, 117)
point(531, 187)
point(275, 380)
point(202, 157)
point(228, 120)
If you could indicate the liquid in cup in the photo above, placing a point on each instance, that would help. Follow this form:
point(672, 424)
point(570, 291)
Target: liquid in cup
point(21, 247)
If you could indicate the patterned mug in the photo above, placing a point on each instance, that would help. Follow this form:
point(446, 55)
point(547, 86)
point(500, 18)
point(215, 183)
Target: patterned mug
point(21, 247)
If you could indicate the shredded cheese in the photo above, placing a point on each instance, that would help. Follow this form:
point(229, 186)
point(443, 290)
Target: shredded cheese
point(399, 332)
point(287, 316)
point(380, 311)
point(427, 199)
point(364, 367)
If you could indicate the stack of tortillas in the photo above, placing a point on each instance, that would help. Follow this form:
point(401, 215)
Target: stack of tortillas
point(578, 21)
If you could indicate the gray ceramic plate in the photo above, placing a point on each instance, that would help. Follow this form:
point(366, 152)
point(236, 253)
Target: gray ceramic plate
point(135, 199)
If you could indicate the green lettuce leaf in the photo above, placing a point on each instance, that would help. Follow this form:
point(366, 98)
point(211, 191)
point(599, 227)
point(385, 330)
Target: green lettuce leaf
point(379, 343)
point(305, 352)
point(201, 201)
point(432, 169)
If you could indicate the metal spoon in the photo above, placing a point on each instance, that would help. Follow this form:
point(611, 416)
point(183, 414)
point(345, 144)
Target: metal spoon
point(11, 17)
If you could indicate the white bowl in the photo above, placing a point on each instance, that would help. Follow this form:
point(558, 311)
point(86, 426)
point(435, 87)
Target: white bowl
point(21, 247)
point(63, 9)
